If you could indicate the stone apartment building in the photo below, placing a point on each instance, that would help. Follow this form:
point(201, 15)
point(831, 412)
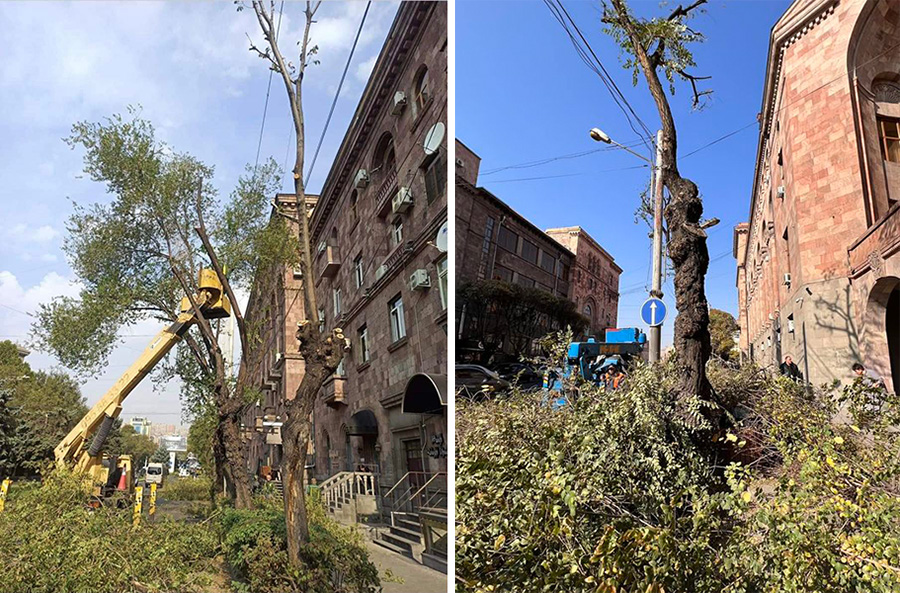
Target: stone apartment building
point(378, 270)
point(594, 279)
point(818, 271)
point(495, 242)
point(273, 311)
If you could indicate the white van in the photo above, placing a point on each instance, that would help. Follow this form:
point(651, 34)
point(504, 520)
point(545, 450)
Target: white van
point(156, 474)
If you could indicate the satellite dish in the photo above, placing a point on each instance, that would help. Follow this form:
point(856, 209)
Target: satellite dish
point(441, 240)
point(433, 138)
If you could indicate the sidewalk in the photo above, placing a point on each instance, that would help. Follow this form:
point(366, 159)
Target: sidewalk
point(416, 578)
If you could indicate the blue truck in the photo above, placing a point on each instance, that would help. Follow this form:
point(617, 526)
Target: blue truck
point(590, 359)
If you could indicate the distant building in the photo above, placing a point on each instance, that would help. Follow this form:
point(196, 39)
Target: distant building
point(818, 262)
point(494, 242)
point(141, 425)
point(593, 280)
point(22, 351)
point(173, 442)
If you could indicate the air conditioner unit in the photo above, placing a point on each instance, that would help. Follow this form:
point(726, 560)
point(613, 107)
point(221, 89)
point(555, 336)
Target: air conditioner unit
point(403, 201)
point(380, 271)
point(419, 280)
point(298, 273)
point(322, 246)
point(790, 325)
point(362, 179)
point(787, 279)
point(780, 191)
point(399, 103)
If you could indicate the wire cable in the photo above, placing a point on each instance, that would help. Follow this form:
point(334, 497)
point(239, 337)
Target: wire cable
point(262, 126)
point(337, 93)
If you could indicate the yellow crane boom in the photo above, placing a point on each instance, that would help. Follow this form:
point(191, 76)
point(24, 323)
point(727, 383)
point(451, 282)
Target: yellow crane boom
point(81, 448)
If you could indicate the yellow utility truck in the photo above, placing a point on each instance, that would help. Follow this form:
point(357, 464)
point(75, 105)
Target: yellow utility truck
point(81, 449)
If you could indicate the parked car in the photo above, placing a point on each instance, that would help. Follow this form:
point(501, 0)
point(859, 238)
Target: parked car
point(475, 381)
point(156, 474)
point(520, 373)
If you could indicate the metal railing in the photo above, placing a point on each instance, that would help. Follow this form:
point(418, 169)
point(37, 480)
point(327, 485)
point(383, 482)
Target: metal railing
point(416, 490)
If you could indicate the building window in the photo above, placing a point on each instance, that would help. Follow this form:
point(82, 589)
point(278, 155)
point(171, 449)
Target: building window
point(548, 262)
point(507, 239)
point(435, 177)
point(384, 161)
point(526, 282)
point(354, 213)
point(529, 251)
point(321, 320)
point(339, 371)
point(337, 302)
point(358, 271)
point(422, 92)
point(486, 246)
point(442, 281)
point(397, 231)
point(364, 344)
point(889, 134)
point(398, 323)
point(501, 273)
point(564, 271)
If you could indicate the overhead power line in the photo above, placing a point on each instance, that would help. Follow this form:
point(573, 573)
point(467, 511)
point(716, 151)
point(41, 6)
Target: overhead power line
point(589, 57)
point(538, 163)
point(570, 174)
point(337, 93)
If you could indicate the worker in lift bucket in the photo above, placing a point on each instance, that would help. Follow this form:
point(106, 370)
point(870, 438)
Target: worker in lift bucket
point(614, 378)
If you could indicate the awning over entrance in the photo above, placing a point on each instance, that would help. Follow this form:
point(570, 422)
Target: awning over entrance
point(362, 423)
point(425, 394)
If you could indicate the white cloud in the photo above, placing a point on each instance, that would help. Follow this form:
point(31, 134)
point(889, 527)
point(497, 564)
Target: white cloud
point(364, 69)
point(28, 234)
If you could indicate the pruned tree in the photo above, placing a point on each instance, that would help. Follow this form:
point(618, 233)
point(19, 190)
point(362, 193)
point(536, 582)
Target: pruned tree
point(322, 353)
point(658, 48)
point(723, 329)
point(139, 254)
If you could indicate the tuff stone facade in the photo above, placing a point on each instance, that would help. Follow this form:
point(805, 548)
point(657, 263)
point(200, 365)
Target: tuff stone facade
point(818, 270)
point(374, 236)
point(594, 279)
point(274, 309)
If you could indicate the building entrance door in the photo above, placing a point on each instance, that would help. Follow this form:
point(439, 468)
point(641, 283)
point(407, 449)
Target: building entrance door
point(415, 466)
point(892, 326)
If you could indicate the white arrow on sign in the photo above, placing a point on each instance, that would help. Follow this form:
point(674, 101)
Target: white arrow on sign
point(653, 313)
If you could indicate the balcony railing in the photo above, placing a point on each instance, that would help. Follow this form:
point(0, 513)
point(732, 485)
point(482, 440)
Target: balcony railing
point(333, 391)
point(386, 193)
point(331, 261)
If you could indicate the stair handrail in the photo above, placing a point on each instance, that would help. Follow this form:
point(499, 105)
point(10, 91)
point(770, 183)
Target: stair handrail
point(394, 487)
point(425, 485)
point(407, 496)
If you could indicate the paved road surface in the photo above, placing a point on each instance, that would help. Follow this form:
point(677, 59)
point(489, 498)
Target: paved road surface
point(416, 578)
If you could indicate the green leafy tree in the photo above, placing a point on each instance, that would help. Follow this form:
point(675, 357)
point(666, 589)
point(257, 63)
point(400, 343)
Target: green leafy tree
point(161, 455)
point(41, 408)
point(139, 446)
point(140, 252)
point(722, 330)
point(658, 49)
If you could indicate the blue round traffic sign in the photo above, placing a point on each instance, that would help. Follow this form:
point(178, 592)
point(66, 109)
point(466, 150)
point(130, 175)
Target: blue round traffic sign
point(653, 311)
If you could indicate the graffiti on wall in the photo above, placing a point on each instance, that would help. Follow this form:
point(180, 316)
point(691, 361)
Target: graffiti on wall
point(438, 449)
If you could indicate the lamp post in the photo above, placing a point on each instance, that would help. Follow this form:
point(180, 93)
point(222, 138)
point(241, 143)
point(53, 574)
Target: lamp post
point(656, 183)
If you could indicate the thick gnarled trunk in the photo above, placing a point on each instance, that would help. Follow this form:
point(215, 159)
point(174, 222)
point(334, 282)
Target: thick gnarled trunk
point(295, 439)
point(230, 427)
point(690, 257)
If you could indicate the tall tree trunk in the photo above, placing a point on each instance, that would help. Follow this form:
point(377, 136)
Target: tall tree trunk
point(687, 241)
point(295, 439)
point(230, 427)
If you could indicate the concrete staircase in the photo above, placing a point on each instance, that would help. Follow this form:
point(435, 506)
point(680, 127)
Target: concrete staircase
point(350, 495)
point(405, 536)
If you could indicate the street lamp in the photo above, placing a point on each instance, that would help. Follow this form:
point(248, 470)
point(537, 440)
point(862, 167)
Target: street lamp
point(657, 185)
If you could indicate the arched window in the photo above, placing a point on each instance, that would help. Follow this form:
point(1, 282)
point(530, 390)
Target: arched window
point(422, 90)
point(354, 213)
point(588, 312)
point(384, 158)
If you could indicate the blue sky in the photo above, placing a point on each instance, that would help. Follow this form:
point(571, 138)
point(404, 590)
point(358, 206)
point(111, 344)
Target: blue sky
point(523, 94)
point(189, 67)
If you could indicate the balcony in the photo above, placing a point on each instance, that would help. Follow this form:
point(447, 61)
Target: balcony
point(333, 391)
point(385, 194)
point(331, 262)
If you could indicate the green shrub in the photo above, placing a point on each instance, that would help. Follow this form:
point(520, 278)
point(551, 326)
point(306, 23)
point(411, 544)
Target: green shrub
point(178, 488)
point(334, 561)
point(617, 492)
point(51, 541)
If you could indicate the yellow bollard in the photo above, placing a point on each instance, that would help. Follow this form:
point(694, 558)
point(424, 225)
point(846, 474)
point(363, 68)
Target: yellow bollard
point(152, 500)
point(4, 488)
point(138, 498)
